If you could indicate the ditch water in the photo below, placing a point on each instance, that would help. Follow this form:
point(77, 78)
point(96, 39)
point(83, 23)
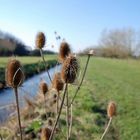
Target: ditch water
point(29, 88)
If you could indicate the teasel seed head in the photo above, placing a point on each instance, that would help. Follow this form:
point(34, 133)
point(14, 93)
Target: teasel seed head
point(64, 51)
point(43, 87)
point(111, 109)
point(91, 52)
point(55, 96)
point(70, 69)
point(50, 122)
point(14, 75)
point(40, 40)
point(45, 133)
point(57, 82)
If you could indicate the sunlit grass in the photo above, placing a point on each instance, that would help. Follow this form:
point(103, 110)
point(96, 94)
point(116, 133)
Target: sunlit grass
point(26, 59)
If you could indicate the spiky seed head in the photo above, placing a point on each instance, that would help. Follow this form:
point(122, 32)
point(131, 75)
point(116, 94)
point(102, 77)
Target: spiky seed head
point(50, 122)
point(91, 52)
point(55, 96)
point(57, 82)
point(43, 87)
point(54, 101)
point(45, 133)
point(111, 109)
point(64, 51)
point(40, 40)
point(14, 76)
point(70, 69)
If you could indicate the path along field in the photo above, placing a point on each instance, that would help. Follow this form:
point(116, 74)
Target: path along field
point(105, 80)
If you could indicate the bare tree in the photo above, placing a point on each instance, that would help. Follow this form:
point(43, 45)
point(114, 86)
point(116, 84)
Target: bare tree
point(119, 41)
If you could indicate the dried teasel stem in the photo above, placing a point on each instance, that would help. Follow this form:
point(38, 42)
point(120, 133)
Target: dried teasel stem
point(109, 122)
point(17, 103)
point(67, 114)
point(40, 42)
point(58, 116)
point(111, 111)
point(78, 88)
point(45, 65)
point(70, 127)
point(14, 78)
point(57, 104)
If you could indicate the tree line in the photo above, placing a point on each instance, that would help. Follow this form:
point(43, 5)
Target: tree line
point(10, 45)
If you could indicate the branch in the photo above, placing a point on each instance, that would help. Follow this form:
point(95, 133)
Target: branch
point(41, 53)
point(52, 133)
point(109, 122)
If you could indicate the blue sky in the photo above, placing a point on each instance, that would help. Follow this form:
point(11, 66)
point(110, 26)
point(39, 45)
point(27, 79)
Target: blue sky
point(80, 22)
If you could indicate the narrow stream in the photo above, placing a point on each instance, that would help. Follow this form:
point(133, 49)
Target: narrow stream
point(29, 88)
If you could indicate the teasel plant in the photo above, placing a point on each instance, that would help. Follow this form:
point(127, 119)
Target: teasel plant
point(69, 73)
point(40, 43)
point(14, 79)
point(44, 89)
point(90, 53)
point(111, 112)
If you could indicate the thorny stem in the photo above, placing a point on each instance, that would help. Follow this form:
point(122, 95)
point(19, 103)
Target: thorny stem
point(52, 133)
point(70, 128)
point(41, 53)
point(78, 88)
point(57, 107)
point(67, 114)
point(45, 105)
point(109, 122)
point(16, 95)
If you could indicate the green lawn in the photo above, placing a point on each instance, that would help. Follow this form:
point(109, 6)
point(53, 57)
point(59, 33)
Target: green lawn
point(105, 80)
point(25, 60)
point(109, 79)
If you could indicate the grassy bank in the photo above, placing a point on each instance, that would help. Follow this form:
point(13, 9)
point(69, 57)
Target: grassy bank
point(109, 79)
point(31, 65)
point(105, 80)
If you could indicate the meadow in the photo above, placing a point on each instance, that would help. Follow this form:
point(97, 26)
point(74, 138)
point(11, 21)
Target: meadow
point(106, 80)
point(25, 59)
point(109, 79)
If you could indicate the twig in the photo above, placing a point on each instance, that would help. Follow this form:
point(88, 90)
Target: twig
point(57, 106)
point(67, 114)
point(16, 95)
point(78, 88)
point(109, 122)
point(45, 105)
point(41, 53)
point(52, 133)
point(70, 128)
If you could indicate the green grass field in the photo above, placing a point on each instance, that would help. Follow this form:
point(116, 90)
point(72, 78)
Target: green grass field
point(25, 60)
point(105, 80)
point(109, 79)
